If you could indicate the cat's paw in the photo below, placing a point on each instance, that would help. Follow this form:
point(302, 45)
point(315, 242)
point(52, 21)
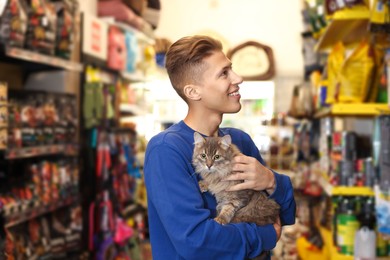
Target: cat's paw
point(204, 187)
point(221, 220)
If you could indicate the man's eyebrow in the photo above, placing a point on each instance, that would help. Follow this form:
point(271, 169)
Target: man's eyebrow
point(228, 66)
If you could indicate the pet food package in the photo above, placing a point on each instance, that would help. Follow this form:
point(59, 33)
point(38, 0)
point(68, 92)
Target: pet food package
point(13, 23)
point(332, 6)
point(379, 17)
point(41, 32)
point(384, 151)
point(116, 49)
point(132, 50)
point(334, 65)
point(382, 205)
point(353, 74)
point(65, 10)
point(387, 73)
point(3, 116)
point(358, 74)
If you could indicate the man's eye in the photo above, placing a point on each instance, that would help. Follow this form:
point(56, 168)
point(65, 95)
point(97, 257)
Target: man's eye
point(203, 155)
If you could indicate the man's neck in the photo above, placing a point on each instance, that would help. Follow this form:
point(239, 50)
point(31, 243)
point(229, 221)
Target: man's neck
point(207, 125)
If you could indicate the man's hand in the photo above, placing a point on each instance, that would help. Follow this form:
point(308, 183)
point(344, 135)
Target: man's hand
point(278, 229)
point(253, 173)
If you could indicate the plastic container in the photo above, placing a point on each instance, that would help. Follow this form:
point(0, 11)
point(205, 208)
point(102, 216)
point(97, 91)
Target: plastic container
point(365, 244)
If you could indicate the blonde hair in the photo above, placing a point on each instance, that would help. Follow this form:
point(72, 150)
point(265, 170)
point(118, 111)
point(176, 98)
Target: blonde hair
point(184, 60)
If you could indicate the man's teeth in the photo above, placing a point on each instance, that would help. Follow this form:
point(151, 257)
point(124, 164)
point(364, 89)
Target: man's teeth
point(234, 93)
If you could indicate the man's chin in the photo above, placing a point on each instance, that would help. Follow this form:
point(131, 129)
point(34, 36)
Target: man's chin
point(233, 111)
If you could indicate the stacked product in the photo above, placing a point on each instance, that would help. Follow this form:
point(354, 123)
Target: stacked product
point(42, 26)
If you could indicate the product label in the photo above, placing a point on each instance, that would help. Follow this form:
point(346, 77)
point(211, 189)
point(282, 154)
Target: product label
point(347, 225)
point(95, 37)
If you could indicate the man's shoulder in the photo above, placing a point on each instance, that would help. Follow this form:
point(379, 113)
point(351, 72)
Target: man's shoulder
point(166, 136)
point(172, 136)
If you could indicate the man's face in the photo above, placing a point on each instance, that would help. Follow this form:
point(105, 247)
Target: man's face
point(219, 85)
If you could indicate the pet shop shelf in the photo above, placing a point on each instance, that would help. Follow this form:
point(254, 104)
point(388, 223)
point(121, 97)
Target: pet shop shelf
point(352, 191)
point(27, 212)
point(143, 36)
point(348, 26)
point(331, 190)
point(136, 76)
point(35, 57)
point(28, 152)
point(354, 109)
point(131, 109)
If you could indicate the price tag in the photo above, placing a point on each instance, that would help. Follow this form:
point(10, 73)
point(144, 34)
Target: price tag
point(95, 37)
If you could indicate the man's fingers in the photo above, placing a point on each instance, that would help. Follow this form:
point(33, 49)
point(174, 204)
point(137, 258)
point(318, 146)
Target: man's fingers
point(240, 186)
point(240, 158)
point(236, 177)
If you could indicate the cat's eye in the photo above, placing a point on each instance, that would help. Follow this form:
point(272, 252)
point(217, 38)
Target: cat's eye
point(203, 155)
point(216, 157)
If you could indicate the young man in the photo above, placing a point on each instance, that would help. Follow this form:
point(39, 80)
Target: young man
point(181, 221)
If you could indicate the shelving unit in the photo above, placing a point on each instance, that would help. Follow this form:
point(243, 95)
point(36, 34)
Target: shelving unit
point(353, 109)
point(41, 59)
point(111, 202)
point(28, 152)
point(30, 212)
point(348, 26)
point(39, 182)
point(342, 168)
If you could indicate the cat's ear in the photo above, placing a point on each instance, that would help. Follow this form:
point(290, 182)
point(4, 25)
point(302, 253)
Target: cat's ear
point(226, 141)
point(198, 138)
point(191, 92)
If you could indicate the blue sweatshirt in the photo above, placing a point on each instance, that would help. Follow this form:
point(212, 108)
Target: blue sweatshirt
point(181, 221)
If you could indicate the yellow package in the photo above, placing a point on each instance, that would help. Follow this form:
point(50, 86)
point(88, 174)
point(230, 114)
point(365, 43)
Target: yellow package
point(378, 74)
point(350, 9)
point(357, 73)
point(379, 13)
point(334, 65)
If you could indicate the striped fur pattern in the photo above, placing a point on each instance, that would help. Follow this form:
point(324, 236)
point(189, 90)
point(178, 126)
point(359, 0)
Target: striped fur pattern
point(212, 159)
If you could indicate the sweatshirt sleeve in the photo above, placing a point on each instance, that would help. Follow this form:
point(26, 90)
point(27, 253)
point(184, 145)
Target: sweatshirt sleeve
point(179, 208)
point(284, 196)
point(284, 191)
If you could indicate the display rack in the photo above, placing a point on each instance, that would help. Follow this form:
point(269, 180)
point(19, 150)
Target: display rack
point(37, 58)
point(51, 193)
point(131, 109)
point(347, 26)
point(115, 181)
point(353, 109)
point(331, 190)
point(28, 152)
point(344, 177)
point(27, 212)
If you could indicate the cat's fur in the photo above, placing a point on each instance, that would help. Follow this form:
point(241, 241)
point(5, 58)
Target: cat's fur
point(212, 159)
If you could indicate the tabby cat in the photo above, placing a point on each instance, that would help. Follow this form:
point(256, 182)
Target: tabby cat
point(212, 159)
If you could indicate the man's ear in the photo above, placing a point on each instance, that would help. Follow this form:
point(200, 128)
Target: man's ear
point(191, 92)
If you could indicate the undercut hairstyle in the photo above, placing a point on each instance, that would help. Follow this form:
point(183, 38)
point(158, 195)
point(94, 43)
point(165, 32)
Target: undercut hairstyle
point(185, 60)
